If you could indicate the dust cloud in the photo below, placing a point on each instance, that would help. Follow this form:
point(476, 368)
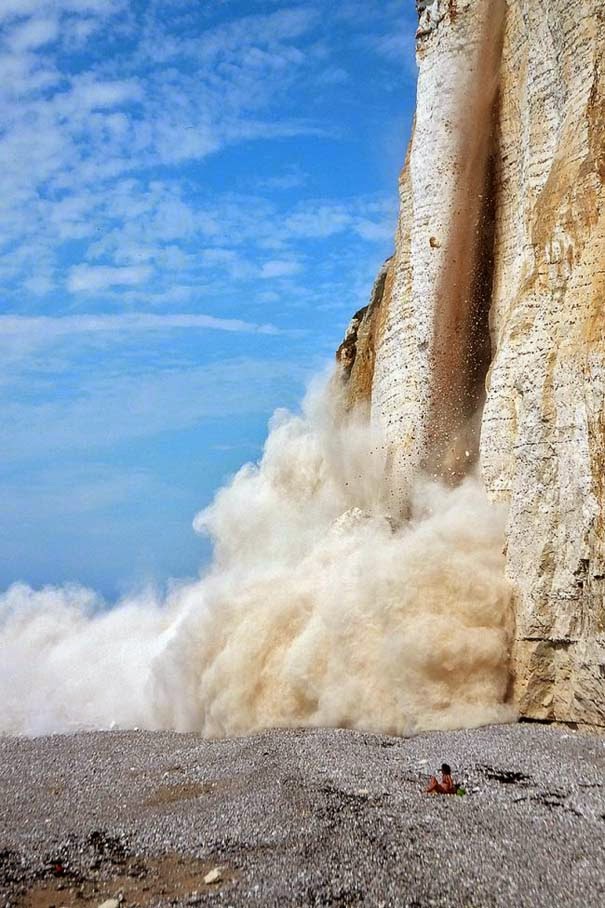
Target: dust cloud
point(319, 608)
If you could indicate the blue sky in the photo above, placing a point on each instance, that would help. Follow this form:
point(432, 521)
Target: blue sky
point(195, 196)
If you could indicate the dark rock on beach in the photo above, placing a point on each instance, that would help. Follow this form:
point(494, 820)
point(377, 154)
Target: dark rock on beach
point(303, 817)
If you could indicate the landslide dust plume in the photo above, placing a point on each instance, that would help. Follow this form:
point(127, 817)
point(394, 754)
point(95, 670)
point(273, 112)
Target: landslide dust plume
point(319, 609)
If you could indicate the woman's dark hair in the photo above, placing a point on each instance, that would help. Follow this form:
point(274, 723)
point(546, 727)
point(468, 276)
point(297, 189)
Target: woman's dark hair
point(445, 769)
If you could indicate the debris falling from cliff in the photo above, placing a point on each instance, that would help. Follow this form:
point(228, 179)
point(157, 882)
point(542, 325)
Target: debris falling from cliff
point(318, 609)
point(460, 347)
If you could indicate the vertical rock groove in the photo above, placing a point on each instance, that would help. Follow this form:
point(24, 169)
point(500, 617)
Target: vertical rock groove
point(460, 347)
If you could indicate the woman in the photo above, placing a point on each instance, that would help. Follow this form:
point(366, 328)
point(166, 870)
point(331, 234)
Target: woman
point(446, 786)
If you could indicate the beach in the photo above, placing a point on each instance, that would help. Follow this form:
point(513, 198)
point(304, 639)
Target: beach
point(303, 817)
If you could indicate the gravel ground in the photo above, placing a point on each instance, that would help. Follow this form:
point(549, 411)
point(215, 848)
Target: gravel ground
point(303, 817)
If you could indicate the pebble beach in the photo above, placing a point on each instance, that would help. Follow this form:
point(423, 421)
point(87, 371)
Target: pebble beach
point(303, 817)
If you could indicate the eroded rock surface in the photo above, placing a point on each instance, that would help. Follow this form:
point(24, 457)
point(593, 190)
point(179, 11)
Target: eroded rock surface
point(356, 354)
point(494, 305)
point(543, 432)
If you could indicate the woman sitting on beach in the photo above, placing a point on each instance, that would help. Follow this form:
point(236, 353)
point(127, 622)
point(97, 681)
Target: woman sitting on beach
point(446, 786)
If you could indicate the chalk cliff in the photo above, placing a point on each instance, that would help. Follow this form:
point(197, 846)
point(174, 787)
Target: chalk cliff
point(485, 336)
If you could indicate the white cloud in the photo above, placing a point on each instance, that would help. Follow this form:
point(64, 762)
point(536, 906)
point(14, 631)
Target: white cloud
point(397, 48)
point(39, 284)
point(21, 75)
point(374, 231)
point(93, 487)
point(33, 33)
point(279, 268)
point(229, 262)
point(318, 221)
point(63, 154)
point(256, 31)
point(18, 9)
point(90, 94)
point(106, 181)
point(50, 328)
point(92, 278)
point(12, 8)
point(333, 75)
point(293, 177)
point(106, 407)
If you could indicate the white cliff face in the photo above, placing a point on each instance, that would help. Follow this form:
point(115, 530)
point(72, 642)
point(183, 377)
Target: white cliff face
point(543, 430)
point(430, 14)
point(503, 218)
point(433, 348)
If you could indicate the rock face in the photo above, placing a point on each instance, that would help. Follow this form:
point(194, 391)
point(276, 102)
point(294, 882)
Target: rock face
point(485, 338)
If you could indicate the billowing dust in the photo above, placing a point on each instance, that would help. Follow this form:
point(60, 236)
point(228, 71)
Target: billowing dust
point(319, 609)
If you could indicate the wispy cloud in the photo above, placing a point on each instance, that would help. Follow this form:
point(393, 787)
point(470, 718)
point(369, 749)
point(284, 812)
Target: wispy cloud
point(116, 132)
point(48, 327)
point(293, 177)
point(200, 94)
point(89, 279)
point(33, 33)
point(279, 268)
point(106, 409)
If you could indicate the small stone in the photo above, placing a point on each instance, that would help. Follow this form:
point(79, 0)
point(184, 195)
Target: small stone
point(110, 903)
point(214, 876)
